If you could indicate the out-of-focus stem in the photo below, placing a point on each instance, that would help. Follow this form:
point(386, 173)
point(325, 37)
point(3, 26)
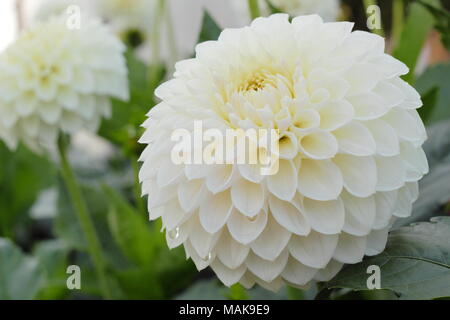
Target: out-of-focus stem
point(171, 37)
point(19, 15)
point(368, 3)
point(253, 7)
point(155, 44)
point(80, 208)
point(397, 20)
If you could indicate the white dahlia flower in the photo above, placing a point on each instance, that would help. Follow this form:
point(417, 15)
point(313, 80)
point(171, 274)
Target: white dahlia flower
point(56, 78)
point(329, 10)
point(350, 151)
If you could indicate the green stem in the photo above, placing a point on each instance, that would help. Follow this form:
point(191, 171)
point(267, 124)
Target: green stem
point(155, 44)
point(368, 3)
point(79, 205)
point(397, 20)
point(171, 37)
point(253, 6)
point(137, 184)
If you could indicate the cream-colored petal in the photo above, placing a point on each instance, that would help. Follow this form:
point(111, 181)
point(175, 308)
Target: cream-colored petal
point(350, 249)
point(272, 241)
point(385, 137)
point(359, 173)
point(226, 275)
point(376, 241)
point(215, 211)
point(283, 184)
point(385, 205)
point(230, 252)
point(329, 272)
point(359, 214)
point(190, 194)
point(202, 241)
point(297, 273)
point(391, 173)
point(288, 216)
point(355, 139)
point(319, 180)
point(326, 217)
point(319, 145)
point(246, 229)
point(265, 269)
point(247, 197)
point(315, 250)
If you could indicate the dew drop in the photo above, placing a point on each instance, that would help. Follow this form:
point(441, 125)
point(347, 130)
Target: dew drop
point(208, 257)
point(174, 234)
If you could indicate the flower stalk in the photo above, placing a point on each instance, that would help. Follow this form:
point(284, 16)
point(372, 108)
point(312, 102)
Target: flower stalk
point(397, 20)
point(155, 44)
point(87, 225)
point(253, 6)
point(368, 3)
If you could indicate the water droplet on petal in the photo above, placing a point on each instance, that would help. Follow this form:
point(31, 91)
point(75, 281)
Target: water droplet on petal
point(208, 257)
point(174, 234)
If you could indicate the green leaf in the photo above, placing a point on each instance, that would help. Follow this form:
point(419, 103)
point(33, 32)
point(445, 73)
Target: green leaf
point(414, 265)
point(414, 35)
point(435, 79)
point(20, 275)
point(237, 292)
point(158, 272)
point(22, 176)
point(442, 18)
point(131, 230)
point(210, 29)
point(434, 187)
point(67, 226)
point(204, 290)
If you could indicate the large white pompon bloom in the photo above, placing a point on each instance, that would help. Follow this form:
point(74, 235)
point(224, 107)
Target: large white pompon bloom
point(55, 78)
point(329, 10)
point(350, 151)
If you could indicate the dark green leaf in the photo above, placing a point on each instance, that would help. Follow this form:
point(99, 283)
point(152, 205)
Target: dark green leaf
point(436, 78)
point(204, 290)
point(415, 32)
point(414, 265)
point(435, 186)
point(210, 29)
point(442, 18)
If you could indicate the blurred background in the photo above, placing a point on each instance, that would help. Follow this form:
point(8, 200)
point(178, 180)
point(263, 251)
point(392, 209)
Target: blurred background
point(40, 234)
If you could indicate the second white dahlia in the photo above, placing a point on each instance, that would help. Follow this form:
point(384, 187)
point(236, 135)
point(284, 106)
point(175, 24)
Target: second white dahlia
point(350, 151)
point(55, 77)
